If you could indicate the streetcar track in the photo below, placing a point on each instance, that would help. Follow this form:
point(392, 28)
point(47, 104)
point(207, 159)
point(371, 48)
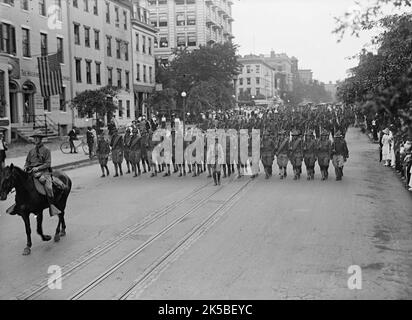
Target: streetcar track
point(189, 238)
point(103, 276)
point(109, 244)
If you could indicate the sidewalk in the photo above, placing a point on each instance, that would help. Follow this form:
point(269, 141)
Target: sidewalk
point(59, 160)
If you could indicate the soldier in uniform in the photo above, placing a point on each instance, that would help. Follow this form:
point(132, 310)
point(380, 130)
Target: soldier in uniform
point(135, 151)
point(143, 147)
point(117, 146)
point(103, 151)
point(340, 154)
point(324, 148)
point(282, 153)
point(267, 153)
point(127, 139)
point(296, 154)
point(309, 154)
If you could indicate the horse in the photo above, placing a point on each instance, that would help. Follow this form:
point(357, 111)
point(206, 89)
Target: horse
point(29, 200)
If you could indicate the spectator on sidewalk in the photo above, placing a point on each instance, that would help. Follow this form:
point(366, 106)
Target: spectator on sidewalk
point(90, 141)
point(3, 149)
point(72, 138)
point(386, 147)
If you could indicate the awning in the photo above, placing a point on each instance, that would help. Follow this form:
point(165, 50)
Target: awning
point(141, 88)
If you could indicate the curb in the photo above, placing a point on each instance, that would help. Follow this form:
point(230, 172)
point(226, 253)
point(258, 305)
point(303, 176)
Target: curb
point(76, 165)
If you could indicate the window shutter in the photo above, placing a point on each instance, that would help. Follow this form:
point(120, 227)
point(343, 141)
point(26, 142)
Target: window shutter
point(1, 38)
point(13, 40)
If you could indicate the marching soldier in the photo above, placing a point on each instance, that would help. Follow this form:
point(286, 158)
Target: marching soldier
point(340, 154)
point(324, 149)
point(296, 154)
point(117, 146)
point(309, 154)
point(282, 153)
point(103, 151)
point(127, 139)
point(135, 151)
point(267, 153)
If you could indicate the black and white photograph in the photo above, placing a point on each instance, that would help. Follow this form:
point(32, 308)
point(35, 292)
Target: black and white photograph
point(180, 151)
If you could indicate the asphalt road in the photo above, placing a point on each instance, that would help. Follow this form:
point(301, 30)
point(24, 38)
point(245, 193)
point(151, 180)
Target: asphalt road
point(183, 238)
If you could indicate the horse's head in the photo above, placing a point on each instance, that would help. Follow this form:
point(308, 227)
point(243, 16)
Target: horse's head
point(6, 182)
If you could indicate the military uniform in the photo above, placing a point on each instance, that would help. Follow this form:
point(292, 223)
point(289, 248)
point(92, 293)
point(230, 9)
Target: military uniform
point(282, 153)
point(339, 154)
point(296, 154)
point(324, 148)
point(267, 153)
point(103, 151)
point(117, 145)
point(309, 155)
point(126, 151)
point(135, 152)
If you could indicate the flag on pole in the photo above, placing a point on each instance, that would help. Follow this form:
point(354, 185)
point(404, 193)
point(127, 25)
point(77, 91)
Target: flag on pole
point(50, 73)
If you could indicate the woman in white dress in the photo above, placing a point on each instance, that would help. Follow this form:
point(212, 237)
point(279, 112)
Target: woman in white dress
point(386, 147)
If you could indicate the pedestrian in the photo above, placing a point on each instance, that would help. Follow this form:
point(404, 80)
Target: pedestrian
point(309, 154)
point(3, 149)
point(90, 141)
point(340, 154)
point(117, 146)
point(324, 150)
point(72, 138)
point(103, 151)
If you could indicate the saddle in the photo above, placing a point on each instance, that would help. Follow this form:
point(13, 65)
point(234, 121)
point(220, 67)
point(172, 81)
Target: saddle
point(58, 185)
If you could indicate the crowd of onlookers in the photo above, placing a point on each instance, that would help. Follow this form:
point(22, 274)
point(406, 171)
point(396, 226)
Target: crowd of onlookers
point(395, 147)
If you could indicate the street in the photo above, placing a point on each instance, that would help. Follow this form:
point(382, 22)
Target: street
point(184, 238)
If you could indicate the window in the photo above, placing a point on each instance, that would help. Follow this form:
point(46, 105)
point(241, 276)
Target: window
point(59, 11)
point(144, 74)
point(144, 44)
point(97, 39)
point(126, 51)
point(191, 19)
point(7, 38)
point(257, 80)
point(108, 46)
point(75, 4)
point(162, 2)
point(118, 49)
point(26, 42)
point(76, 34)
point(164, 41)
point(86, 5)
point(127, 74)
point(88, 71)
point(258, 91)
point(119, 78)
point(87, 37)
point(116, 13)
point(98, 73)
point(152, 2)
point(43, 44)
point(153, 20)
point(155, 42)
point(107, 12)
point(162, 20)
point(150, 46)
point(78, 70)
point(248, 81)
point(120, 109)
point(24, 4)
point(95, 8)
point(181, 40)
point(241, 81)
point(125, 19)
point(138, 72)
point(150, 75)
point(137, 42)
point(60, 53)
point(180, 2)
point(180, 19)
point(191, 39)
point(63, 100)
point(46, 104)
point(128, 108)
point(257, 68)
point(110, 76)
point(248, 69)
point(42, 7)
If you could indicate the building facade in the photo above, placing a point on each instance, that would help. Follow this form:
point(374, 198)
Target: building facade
point(257, 79)
point(306, 76)
point(143, 45)
point(189, 24)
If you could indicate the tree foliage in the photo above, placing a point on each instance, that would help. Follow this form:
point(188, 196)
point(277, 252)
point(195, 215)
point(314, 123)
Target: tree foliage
point(382, 82)
point(98, 101)
point(313, 92)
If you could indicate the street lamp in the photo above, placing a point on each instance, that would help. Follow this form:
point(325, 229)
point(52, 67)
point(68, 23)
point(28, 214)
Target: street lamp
point(184, 94)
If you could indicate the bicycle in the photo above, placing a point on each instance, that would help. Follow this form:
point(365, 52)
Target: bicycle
point(81, 143)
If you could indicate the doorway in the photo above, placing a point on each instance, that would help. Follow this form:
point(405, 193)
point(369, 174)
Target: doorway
point(13, 91)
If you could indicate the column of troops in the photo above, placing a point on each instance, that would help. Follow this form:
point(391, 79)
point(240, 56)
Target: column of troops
point(300, 135)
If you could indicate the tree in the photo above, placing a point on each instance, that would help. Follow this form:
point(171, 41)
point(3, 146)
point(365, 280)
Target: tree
point(99, 101)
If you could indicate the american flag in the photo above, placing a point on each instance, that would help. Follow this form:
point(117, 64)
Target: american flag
point(51, 81)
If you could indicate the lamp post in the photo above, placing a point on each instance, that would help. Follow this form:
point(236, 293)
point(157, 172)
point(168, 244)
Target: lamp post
point(184, 94)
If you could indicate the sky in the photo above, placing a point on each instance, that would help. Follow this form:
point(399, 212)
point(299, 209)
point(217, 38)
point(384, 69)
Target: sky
point(300, 28)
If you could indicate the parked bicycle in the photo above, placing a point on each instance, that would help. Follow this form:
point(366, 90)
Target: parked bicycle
point(80, 143)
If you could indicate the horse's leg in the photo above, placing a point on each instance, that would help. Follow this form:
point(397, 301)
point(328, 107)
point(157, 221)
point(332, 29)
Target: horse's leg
point(26, 219)
point(63, 225)
point(57, 234)
point(40, 227)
